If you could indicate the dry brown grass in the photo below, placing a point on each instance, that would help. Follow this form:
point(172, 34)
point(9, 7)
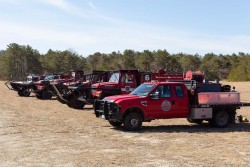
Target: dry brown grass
point(47, 133)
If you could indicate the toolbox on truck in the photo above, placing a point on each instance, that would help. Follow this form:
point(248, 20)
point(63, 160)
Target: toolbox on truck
point(218, 97)
point(201, 113)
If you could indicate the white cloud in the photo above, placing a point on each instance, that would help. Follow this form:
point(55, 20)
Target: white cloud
point(69, 8)
point(43, 37)
point(79, 11)
point(62, 4)
point(142, 38)
point(125, 35)
point(12, 2)
point(92, 5)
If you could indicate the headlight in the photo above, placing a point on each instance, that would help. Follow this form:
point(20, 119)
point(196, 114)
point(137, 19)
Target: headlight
point(105, 99)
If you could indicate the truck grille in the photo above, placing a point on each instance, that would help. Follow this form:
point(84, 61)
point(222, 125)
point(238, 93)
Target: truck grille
point(105, 108)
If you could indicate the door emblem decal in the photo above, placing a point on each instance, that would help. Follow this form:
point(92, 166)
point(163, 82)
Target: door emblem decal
point(166, 105)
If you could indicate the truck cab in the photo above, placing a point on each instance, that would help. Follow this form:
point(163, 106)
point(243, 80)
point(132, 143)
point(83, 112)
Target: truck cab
point(120, 82)
point(168, 100)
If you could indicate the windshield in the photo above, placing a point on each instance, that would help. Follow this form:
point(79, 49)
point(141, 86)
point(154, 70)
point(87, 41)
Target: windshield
point(48, 77)
point(114, 77)
point(143, 89)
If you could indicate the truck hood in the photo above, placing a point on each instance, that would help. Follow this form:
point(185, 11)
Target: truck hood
point(61, 80)
point(118, 98)
point(38, 82)
point(20, 82)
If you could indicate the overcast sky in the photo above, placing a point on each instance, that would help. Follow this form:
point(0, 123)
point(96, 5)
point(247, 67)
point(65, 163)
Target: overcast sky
point(89, 26)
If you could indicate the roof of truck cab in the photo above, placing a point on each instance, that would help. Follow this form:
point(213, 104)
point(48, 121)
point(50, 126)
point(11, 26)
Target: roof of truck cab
point(163, 83)
point(126, 71)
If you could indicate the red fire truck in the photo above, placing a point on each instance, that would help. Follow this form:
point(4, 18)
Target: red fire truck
point(125, 81)
point(189, 99)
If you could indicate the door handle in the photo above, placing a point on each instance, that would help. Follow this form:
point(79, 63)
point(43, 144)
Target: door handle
point(173, 101)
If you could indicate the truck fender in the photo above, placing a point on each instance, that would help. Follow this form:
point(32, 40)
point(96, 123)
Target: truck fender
point(133, 109)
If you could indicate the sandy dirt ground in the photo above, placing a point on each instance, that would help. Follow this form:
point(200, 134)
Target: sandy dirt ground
point(36, 133)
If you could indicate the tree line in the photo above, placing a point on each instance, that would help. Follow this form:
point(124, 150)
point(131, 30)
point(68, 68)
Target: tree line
point(19, 60)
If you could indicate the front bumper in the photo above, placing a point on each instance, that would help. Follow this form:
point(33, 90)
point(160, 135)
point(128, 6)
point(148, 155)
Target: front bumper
point(107, 110)
point(18, 86)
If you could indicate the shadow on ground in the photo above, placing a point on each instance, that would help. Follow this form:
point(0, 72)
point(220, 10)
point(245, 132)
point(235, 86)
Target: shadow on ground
point(192, 128)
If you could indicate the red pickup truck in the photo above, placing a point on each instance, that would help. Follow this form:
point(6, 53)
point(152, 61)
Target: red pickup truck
point(214, 103)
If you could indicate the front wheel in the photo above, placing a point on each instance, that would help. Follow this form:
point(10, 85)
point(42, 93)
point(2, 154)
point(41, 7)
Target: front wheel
point(75, 103)
point(20, 93)
point(38, 96)
point(133, 121)
point(46, 95)
point(61, 101)
point(26, 93)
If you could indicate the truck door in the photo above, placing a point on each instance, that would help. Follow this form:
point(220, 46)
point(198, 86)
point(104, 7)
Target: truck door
point(165, 103)
point(128, 82)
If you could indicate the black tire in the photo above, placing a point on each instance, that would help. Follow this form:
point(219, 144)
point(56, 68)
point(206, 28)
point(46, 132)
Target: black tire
point(75, 103)
point(133, 121)
point(69, 105)
point(46, 95)
point(20, 93)
point(196, 121)
point(38, 96)
point(26, 93)
point(115, 123)
point(221, 119)
point(61, 101)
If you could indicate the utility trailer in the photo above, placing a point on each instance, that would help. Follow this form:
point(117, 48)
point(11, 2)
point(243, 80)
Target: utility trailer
point(24, 88)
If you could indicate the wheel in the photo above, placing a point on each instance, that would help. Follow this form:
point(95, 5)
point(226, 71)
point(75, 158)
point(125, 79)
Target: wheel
point(61, 101)
point(115, 123)
point(69, 104)
point(46, 95)
point(221, 119)
point(20, 93)
point(133, 122)
point(38, 96)
point(26, 93)
point(75, 103)
point(196, 121)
